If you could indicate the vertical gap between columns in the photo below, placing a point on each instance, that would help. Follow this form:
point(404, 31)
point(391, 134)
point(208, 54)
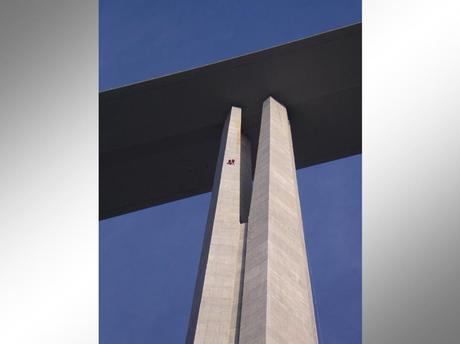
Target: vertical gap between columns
point(240, 296)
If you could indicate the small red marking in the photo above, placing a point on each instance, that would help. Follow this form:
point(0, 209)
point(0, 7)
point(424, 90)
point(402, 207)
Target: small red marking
point(231, 162)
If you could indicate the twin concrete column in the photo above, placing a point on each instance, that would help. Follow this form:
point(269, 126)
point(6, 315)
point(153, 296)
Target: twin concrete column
point(216, 308)
point(253, 284)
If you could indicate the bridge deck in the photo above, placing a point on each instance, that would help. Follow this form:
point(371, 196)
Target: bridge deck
point(159, 139)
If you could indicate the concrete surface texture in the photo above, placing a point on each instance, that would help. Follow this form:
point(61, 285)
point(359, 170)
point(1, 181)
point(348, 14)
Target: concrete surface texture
point(253, 284)
point(215, 315)
point(277, 304)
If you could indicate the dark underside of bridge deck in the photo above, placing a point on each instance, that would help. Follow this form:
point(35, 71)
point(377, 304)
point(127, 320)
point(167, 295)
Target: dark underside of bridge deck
point(159, 139)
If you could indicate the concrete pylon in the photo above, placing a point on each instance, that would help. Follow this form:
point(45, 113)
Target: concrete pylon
point(217, 307)
point(277, 304)
point(253, 285)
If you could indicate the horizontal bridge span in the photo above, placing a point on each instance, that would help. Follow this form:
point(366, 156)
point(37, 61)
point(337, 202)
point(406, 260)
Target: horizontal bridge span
point(159, 139)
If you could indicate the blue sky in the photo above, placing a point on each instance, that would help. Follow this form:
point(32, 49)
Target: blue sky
point(149, 258)
point(141, 39)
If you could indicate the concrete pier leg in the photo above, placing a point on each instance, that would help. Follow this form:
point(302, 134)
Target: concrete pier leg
point(216, 309)
point(277, 305)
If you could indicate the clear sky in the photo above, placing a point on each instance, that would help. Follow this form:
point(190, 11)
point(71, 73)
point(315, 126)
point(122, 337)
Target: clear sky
point(149, 259)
